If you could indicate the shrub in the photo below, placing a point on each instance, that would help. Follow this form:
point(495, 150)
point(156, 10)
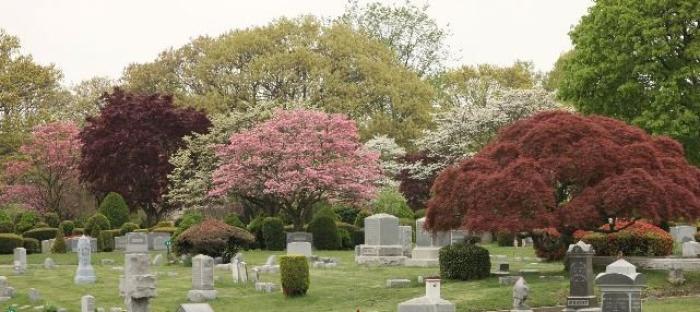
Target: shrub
point(78, 232)
point(391, 201)
point(32, 245)
point(164, 224)
point(166, 229)
point(360, 219)
point(80, 221)
point(4, 217)
point(354, 233)
point(505, 239)
point(232, 219)
point(187, 220)
point(7, 227)
point(273, 234)
point(105, 241)
point(326, 211)
point(325, 232)
point(358, 237)
point(115, 209)
point(52, 219)
point(41, 233)
point(640, 239)
point(128, 227)
point(25, 221)
point(419, 213)
point(294, 271)
point(67, 226)
point(464, 262)
point(9, 241)
point(59, 245)
point(213, 238)
point(97, 220)
point(548, 244)
point(345, 240)
point(115, 232)
point(255, 227)
point(345, 214)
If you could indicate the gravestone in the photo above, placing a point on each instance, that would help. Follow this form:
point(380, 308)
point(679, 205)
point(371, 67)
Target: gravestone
point(202, 279)
point(73, 243)
point(676, 277)
point(430, 302)
point(382, 242)
point(6, 292)
point(299, 248)
point(85, 273)
point(398, 283)
point(302, 237)
point(520, 294)
point(156, 241)
point(270, 265)
point(195, 307)
point(239, 270)
point(136, 242)
point(49, 264)
point(119, 242)
point(406, 239)
point(621, 287)
point(691, 249)
point(20, 260)
point(266, 287)
point(458, 236)
point(683, 233)
point(87, 303)
point(34, 295)
point(158, 260)
point(581, 296)
point(427, 250)
point(138, 285)
point(508, 280)
point(46, 245)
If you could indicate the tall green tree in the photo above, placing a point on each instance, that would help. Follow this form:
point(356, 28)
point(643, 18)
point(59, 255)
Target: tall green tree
point(330, 66)
point(85, 99)
point(639, 61)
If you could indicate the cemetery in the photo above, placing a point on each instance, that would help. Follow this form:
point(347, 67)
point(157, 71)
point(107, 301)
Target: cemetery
point(352, 162)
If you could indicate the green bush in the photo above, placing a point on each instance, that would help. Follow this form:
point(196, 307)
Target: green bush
point(4, 217)
point(325, 232)
point(213, 238)
point(78, 232)
point(9, 241)
point(352, 233)
point(391, 201)
point(128, 227)
point(187, 220)
point(255, 228)
point(25, 221)
point(97, 220)
point(114, 233)
point(273, 234)
point(7, 227)
point(52, 219)
point(345, 240)
point(32, 245)
point(464, 262)
point(420, 213)
point(360, 219)
point(294, 271)
point(105, 241)
point(326, 211)
point(358, 237)
point(67, 226)
point(115, 209)
point(345, 214)
point(505, 239)
point(59, 245)
point(80, 221)
point(41, 233)
point(166, 229)
point(232, 219)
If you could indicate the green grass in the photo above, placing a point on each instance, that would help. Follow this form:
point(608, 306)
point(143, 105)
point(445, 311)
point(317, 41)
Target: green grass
point(347, 288)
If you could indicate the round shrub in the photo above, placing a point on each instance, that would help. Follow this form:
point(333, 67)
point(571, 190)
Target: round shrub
point(32, 245)
point(128, 227)
point(39, 225)
point(41, 233)
point(7, 227)
point(255, 227)
point(59, 245)
point(505, 239)
point(78, 232)
point(360, 219)
point(344, 239)
point(325, 233)
point(326, 211)
point(67, 226)
point(52, 219)
point(213, 238)
point(391, 201)
point(345, 214)
point(105, 241)
point(115, 209)
point(273, 234)
point(294, 271)
point(9, 241)
point(464, 262)
point(97, 220)
point(232, 219)
point(639, 239)
point(26, 221)
point(548, 244)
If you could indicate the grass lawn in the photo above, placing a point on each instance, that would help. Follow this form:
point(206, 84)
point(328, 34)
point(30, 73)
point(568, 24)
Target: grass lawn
point(348, 288)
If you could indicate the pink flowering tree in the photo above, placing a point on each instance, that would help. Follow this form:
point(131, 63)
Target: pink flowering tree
point(294, 160)
point(46, 169)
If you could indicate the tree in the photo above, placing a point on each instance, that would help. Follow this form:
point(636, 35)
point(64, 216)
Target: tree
point(414, 181)
point(639, 61)
point(127, 146)
point(27, 92)
point(47, 170)
point(115, 209)
point(86, 99)
point(331, 67)
point(389, 154)
point(415, 37)
point(295, 160)
point(566, 171)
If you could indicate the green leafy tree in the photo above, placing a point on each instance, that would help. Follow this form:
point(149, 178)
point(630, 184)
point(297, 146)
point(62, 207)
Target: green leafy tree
point(86, 99)
point(639, 61)
point(115, 209)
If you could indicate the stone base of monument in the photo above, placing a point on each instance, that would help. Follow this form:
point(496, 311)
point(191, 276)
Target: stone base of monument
point(424, 304)
point(85, 275)
point(586, 304)
point(198, 295)
point(381, 255)
point(424, 257)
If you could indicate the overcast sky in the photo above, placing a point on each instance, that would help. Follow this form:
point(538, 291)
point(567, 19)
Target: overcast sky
point(87, 38)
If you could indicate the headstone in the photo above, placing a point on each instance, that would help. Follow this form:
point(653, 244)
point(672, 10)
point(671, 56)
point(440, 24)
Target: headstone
point(325, 263)
point(120, 242)
point(676, 277)
point(507, 280)
point(520, 294)
point(107, 261)
point(158, 260)
point(6, 292)
point(85, 273)
point(302, 237)
point(239, 270)
point(87, 303)
point(115, 309)
point(299, 248)
point(620, 287)
point(20, 260)
point(398, 283)
point(266, 287)
point(156, 241)
point(46, 246)
point(581, 296)
point(73, 242)
point(270, 265)
point(430, 302)
point(683, 233)
point(136, 242)
point(49, 264)
point(195, 307)
point(202, 279)
point(427, 250)
point(34, 295)
point(691, 249)
point(406, 239)
point(382, 242)
point(138, 285)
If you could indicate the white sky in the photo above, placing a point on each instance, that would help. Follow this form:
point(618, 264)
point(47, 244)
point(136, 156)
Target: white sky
point(87, 38)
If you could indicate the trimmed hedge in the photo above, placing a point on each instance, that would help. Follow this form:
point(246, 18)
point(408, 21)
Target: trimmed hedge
point(640, 239)
point(105, 241)
point(166, 229)
point(325, 233)
point(294, 271)
point(128, 227)
point(232, 219)
point(78, 232)
point(67, 226)
point(97, 220)
point(115, 209)
point(32, 245)
point(41, 234)
point(9, 241)
point(59, 245)
point(273, 234)
point(464, 262)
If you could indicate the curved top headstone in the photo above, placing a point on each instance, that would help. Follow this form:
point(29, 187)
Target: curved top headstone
point(620, 273)
point(382, 230)
point(381, 216)
point(580, 248)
